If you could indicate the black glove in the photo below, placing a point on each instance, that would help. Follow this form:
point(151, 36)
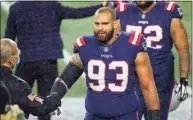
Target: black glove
point(181, 90)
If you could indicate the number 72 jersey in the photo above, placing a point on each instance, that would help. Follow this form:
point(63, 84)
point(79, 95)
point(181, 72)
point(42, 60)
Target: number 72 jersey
point(154, 25)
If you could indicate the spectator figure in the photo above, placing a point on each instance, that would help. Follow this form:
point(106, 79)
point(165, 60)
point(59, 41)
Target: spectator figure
point(36, 25)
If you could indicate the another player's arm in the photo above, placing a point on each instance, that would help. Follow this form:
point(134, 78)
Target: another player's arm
point(179, 37)
point(146, 80)
point(71, 73)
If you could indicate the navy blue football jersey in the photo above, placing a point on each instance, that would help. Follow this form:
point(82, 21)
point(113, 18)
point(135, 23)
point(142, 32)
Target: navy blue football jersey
point(110, 73)
point(155, 26)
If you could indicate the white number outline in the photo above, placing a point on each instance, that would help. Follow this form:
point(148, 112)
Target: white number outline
point(123, 77)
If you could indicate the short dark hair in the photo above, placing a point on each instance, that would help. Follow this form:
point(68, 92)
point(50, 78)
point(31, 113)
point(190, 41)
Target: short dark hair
point(107, 9)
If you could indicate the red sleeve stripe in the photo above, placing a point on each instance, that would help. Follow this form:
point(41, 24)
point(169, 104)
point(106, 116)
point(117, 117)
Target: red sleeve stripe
point(122, 7)
point(139, 39)
point(75, 44)
point(131, 37)
point(170, 6)
point(118, 2)
point(79, 42)
point(135, 38)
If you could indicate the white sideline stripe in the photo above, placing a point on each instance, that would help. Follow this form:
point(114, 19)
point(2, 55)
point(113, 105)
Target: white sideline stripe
point(67, 55)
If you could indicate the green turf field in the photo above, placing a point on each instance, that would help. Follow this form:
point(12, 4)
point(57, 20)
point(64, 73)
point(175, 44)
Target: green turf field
point(72, 29)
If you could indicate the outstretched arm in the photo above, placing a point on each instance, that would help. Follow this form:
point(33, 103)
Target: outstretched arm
point(71, 73)
point(21, 94)
point(145, 74)
point(37, 105)
point(66, 12)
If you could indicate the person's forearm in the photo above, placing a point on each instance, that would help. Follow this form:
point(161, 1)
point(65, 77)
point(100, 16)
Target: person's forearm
point(151, 97)
point(77, 13)
point(184, 61)
point(40, 105)
point(87, 11)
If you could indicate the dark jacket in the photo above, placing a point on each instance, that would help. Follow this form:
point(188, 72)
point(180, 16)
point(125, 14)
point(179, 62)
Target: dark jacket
point(36, 25)
point(19, 90)
point(5, 99)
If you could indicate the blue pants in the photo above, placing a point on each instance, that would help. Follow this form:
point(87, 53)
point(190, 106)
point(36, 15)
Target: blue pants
point(129, 116)
point(164, 99)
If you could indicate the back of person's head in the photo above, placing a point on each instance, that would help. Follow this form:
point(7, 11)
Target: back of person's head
point(9, 52)
point(5, 98)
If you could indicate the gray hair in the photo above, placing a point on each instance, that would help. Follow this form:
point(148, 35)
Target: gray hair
point(6, 49)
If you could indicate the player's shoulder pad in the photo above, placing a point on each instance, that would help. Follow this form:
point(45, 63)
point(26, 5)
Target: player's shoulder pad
point(80, 42)
point(122, 7)
point(174, 9)
point(134, 38)
point(83, 41)
point(169, 6)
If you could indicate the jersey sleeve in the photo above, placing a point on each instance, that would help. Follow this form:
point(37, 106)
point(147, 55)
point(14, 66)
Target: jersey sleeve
point(138, 40)
point(174, 9)
point(78, 44)
point(120, 9)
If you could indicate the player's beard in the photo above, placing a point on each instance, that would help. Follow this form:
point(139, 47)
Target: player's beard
point(146, 5)
point(107, 38)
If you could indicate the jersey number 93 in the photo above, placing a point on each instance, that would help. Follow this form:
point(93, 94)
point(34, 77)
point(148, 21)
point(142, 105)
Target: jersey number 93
point(100, 76)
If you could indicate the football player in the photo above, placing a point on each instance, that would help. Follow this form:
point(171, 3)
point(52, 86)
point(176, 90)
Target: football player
point(112, 63)
point(162, 27)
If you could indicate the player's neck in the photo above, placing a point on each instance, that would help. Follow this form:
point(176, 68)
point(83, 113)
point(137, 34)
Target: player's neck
point(113, 39)
point(145, 10)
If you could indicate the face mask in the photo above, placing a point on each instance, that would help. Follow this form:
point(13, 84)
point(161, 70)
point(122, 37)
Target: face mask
point(18, 61)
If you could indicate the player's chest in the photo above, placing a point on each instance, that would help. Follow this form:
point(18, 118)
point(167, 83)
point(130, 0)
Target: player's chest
point(111, 53)
point(145, 23)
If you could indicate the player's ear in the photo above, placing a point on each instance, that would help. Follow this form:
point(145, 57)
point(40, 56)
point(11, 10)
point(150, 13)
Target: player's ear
point(115, 24)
